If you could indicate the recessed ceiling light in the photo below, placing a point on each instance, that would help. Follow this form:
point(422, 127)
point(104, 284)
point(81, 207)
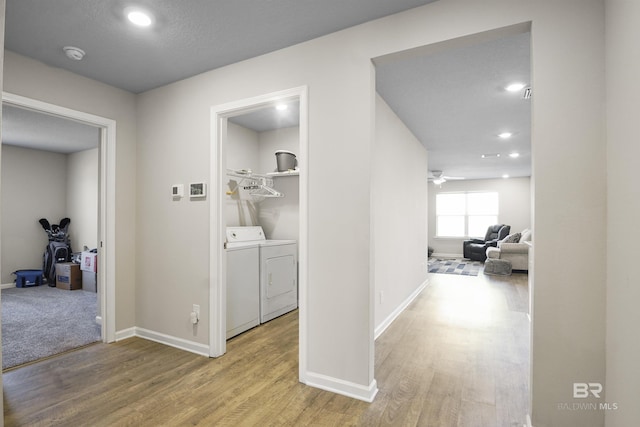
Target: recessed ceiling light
point(74, 53)
point(515, 87)
point(505, 135)
point(489, 156)
point(139, 18)
point(505, 176)
point(281, 107)
point(514, 155)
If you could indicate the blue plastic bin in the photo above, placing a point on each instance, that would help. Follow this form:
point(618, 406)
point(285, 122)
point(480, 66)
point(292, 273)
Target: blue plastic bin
point(26, 278)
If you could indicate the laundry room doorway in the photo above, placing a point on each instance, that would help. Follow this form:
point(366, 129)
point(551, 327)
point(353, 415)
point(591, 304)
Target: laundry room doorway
point(258, 215)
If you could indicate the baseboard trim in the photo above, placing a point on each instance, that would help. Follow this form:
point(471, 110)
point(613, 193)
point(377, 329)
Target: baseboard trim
point(125, 333)
point(444, 255)
point(528, 421)
point(7, 285)
point(389, 320)
point(345, 388)
point(182, 344)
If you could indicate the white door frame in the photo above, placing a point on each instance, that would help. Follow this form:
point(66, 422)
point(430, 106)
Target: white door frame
point(218, 167)
point(106, 212)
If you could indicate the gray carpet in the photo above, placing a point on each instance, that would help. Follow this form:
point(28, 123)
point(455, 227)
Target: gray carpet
point(41, 321)
point(463, 267)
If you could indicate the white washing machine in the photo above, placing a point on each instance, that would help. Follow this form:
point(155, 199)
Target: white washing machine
point(278, 270)
point(243, 287)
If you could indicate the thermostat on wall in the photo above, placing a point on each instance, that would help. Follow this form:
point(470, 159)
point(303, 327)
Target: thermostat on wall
point(197, 189)
point(177, 190)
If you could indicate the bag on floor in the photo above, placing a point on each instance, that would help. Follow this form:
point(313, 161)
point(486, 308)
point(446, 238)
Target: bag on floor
point(58, 249)
point(55, 252)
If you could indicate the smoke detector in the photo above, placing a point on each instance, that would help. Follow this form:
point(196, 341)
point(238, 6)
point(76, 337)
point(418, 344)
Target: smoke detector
point(74, 53)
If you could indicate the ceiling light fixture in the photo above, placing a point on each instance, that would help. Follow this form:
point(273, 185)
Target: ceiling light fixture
point(139, 18)
point(505, 135)
point(74, 53)
point(515, 87)
point(505, 176)
point(490, 156)
point(281, 107)
point(514, 155)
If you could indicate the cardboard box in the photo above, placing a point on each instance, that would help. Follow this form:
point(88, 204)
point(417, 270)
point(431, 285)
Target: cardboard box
point(68, 276)
point(89, 261)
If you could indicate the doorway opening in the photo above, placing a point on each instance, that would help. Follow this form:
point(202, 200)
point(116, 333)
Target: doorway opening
point(453, 97)
point(104, 213)
point(238, 189)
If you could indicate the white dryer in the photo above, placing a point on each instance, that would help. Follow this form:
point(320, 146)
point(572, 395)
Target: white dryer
point(278, 278)
point(278, 269)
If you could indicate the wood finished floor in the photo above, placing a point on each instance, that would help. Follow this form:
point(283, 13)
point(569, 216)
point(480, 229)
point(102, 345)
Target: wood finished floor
point(458, 356)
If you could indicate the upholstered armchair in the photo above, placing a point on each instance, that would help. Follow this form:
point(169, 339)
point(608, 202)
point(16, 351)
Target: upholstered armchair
point(476, 249)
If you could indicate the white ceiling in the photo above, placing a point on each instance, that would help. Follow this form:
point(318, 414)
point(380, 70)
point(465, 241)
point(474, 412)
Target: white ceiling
point(188, 37)
point(453, 101)
point(39, 131)
point(269, 118)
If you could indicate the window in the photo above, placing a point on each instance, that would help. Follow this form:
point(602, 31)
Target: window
point(465, 214)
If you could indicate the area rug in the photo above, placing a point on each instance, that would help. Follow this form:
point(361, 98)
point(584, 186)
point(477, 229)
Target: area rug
point(463, 267)
point(41, 321)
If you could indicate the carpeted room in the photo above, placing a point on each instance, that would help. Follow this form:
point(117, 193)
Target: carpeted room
point(41, 179)
point(41, 321)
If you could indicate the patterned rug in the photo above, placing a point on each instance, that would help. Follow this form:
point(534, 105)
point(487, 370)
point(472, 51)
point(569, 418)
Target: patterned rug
point(463, 267)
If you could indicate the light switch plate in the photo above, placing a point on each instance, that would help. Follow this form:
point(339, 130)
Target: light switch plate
point(177, 190)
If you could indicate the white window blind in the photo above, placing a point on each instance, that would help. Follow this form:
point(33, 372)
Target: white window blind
point(465, 214)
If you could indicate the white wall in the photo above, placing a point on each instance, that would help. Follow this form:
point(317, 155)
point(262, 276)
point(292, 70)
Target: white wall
point(514, 195)
point(280, 217)
point(242, 154)
point(623, 212)
point(174, 120)
point(399, 213)
point(2, 15)
point(82, 198)
point(33, 79)
point(569, 196)
point(34, 186)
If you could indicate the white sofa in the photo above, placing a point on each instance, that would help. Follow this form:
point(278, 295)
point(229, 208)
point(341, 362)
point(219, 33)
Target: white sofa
point(515, 252)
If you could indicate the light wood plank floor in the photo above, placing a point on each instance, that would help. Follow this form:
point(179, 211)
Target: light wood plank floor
point(458, 356)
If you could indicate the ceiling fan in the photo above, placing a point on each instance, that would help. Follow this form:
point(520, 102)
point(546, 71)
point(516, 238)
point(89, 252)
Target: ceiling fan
point(438, 178)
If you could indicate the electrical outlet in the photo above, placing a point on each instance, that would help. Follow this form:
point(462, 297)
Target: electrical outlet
point(195, 314)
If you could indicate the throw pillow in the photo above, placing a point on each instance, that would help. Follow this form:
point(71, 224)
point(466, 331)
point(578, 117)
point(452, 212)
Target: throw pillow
point(512, 238)
point(526, 236)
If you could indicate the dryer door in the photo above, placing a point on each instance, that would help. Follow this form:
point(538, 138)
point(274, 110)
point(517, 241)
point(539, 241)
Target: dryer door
point(280, 275)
